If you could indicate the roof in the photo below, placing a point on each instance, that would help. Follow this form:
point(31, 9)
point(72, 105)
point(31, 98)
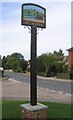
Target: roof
point(70, 49)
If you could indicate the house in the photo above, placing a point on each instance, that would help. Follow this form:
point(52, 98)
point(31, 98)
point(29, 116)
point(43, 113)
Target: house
point(70, 59)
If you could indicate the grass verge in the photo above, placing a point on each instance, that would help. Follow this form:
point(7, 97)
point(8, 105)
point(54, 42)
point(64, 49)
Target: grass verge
point(12, 109)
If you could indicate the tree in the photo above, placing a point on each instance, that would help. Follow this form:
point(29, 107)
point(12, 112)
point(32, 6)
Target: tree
point(45, 63)
point(23, 64)
point(42, 62)
point(59, 55)
point(4, 62)
point(51, 63)
point(18, 56)
point(15, 61)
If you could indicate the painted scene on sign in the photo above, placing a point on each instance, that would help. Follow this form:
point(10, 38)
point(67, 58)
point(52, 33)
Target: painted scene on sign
point(33, 13)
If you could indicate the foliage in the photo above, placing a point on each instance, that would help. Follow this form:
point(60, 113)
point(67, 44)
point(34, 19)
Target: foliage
point(51, 63)
point(15, 61)
point(63, 75)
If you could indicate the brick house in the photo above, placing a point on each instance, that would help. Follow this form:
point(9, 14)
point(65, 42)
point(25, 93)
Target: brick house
point(70, 59)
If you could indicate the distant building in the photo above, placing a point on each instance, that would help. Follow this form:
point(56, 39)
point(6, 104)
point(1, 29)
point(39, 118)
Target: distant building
point(70, 58)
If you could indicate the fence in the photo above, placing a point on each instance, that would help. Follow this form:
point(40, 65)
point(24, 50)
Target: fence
point(65, 75)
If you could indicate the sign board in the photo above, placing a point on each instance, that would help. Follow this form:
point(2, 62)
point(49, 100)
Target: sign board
point(33, 15)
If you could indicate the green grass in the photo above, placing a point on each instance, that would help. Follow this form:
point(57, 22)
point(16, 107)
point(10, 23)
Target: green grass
point(12, 109)
point(58, 110)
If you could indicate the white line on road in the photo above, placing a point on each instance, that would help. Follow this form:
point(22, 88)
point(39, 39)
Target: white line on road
point(68, 94)
point(52, 90)
point(60, 92)
point(18, 81)
point(14, 81)
point(41, 88)
point(47, 89)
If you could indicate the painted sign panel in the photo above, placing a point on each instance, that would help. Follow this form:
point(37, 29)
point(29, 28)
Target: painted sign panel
point(33, 15)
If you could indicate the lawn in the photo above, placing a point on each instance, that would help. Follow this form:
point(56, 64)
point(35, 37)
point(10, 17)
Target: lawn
point(12, 109)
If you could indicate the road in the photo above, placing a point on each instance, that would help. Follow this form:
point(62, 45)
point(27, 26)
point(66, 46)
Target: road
point(53, 85)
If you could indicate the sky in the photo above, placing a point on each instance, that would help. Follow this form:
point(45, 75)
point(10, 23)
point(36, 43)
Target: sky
point(14, 37)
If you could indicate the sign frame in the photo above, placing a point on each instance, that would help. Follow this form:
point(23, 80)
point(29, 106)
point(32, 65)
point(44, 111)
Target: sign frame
point(38, 19)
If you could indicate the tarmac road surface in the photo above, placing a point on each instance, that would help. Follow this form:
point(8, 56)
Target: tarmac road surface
point(53, 85)
point(16, 90)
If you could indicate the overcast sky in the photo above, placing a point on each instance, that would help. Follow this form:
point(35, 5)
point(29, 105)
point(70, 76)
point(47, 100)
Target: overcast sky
point(16, 38)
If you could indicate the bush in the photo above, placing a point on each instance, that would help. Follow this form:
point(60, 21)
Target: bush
point(63, 75)
point(18, 70)
point(42, 74)
point(51, 74)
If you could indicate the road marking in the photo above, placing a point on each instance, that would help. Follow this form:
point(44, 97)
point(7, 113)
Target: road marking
point(68, 94)
point(18, 81)
point(52, 90)
point(11, 79)
point(14, 81)
point(41, 88)
point(47, 89)
point(60, 92)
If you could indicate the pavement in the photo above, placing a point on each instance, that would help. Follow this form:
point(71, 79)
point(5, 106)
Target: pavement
point(16, 90)
point(54, 78)
point(50, 78)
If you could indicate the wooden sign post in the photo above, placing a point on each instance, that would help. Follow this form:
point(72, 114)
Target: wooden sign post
point(35, 16)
